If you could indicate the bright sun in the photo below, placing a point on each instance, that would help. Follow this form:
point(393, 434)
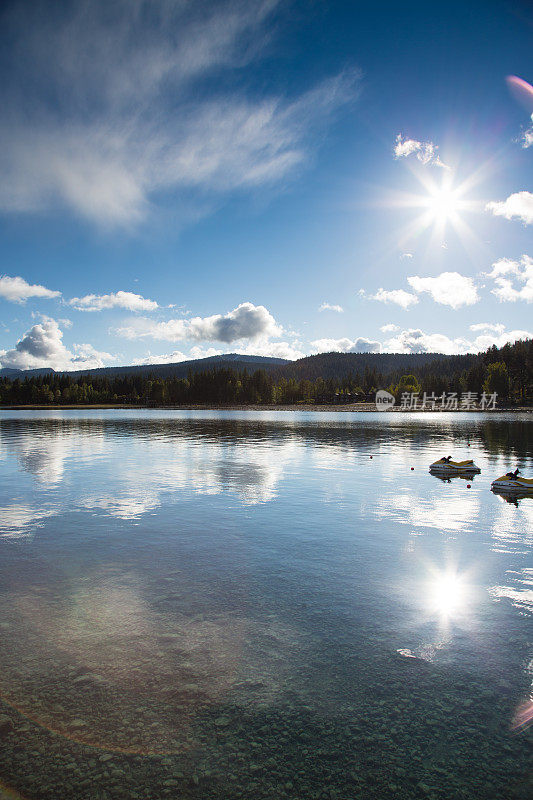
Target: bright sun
point(443, 203)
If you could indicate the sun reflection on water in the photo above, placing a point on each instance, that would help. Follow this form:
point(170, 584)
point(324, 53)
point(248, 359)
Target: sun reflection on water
point(447, 594)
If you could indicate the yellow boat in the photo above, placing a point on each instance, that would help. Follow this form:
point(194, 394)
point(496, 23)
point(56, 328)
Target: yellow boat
point(445, 465)
point(513, 483)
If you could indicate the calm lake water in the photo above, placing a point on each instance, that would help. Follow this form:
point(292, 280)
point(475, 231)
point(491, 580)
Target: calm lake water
point(248, 605)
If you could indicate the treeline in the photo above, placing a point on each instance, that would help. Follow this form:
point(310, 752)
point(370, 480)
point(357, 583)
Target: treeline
point(508, 371)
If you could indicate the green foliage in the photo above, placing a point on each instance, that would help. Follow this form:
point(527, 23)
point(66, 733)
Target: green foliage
point(497, 379)
point(407, 383)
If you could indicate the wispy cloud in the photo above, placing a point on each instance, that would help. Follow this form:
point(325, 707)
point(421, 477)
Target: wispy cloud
point(116, 113)
point(519, 205)
point(513, 279)
point(526, 139)
point(449, 289)
point(99, 302)
point(17, 290)
point(523, 92)
point(497, 327)
point(331, 307)
point(425, 152)
point(42, 346)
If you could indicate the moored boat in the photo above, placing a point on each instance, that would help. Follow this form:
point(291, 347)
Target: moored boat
point(513, 483)
point(447, 466)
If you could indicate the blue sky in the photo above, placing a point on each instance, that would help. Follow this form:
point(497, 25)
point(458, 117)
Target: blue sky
point(182, 179)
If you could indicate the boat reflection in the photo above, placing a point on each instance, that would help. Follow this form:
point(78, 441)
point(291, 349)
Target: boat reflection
point(465, 476)
point(513, 498)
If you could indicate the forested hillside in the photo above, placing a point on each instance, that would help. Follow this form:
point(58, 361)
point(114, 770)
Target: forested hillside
point(326, 378)
point(178, 369)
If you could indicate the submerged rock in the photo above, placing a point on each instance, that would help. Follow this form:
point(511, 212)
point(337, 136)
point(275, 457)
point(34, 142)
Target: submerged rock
point(6, 726)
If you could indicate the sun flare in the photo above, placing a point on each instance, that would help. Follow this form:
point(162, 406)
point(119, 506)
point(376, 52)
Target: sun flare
point(443, 203)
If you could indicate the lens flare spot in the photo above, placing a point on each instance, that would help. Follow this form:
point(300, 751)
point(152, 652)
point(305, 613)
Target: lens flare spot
point(522, 91)
point(523, 717)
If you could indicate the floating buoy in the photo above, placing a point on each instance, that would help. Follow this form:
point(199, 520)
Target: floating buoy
point(371, 456)
point(412, 469)
point(468, 486)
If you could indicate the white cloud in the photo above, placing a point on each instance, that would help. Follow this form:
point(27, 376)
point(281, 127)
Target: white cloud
point(504, 266)
point(289, 350)
point(498, 336)
point(176, 356)
point(506, 272)
point(247, 321)
point(203, 352)
point(127, 120)
point(448, 288)
point(99, 302)
point(17, 290)
point(415, 340)
point(398, 297)
point(168, 358)
point(389, 328)
point(345, 345)
point(87, 357)
point(497, 327)
point(519, 204)
point(42, 346)
point(425, 152)
point(330, 307)
point(527, 136)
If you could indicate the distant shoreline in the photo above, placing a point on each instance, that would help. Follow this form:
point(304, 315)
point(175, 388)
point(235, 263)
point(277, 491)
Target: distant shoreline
point(342, 409)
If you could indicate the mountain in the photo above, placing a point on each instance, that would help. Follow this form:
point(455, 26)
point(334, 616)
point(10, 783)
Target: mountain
point(7, 372)
point(327, 377)
point(179, 369)
point(342, 365)
point(336, 366)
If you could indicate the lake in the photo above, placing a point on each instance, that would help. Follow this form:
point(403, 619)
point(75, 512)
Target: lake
point(263, 605)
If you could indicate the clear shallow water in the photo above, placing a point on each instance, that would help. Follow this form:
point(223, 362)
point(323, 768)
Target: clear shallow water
point(246, 605)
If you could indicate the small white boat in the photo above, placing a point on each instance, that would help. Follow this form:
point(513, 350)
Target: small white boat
point(513, 483)
point(446, 466)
